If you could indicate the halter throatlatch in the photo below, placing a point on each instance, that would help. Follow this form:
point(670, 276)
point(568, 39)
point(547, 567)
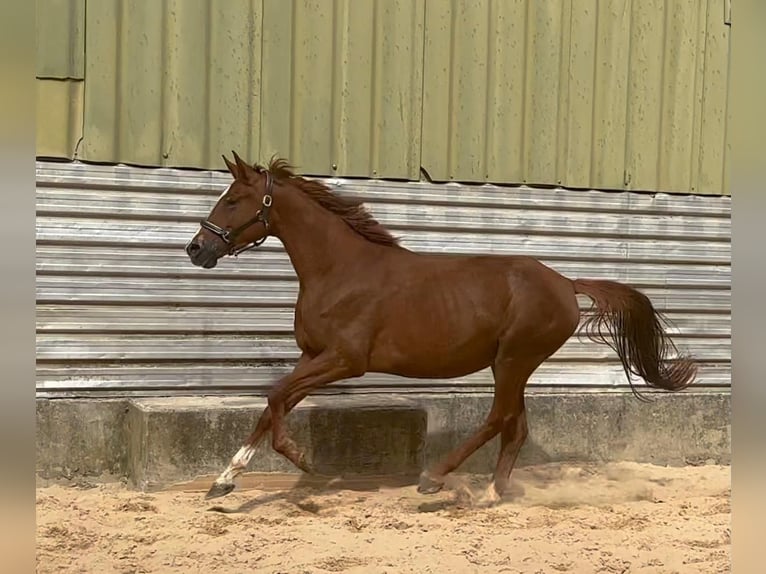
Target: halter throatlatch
point(261, 216)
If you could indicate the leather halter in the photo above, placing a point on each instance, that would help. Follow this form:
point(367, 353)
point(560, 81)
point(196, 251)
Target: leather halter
point(229, 236)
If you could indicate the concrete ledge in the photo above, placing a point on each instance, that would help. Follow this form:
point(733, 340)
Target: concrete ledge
point(173, 440)
point(81, 438)
point(155, 442)
point(674, 430)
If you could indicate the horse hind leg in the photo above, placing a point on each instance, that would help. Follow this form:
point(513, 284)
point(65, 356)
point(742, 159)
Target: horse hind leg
point(513, 436)
point(510, 379)
point(432, 480)
point(507, 417)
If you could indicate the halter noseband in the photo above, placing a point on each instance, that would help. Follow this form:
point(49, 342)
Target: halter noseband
point(261, 216)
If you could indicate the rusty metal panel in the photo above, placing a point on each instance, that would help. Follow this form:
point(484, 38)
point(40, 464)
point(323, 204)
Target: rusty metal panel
point(122, 312)
point(600, 94)
point(60, 39)
point(172, 83)
point(58, 117)
point(342, 86)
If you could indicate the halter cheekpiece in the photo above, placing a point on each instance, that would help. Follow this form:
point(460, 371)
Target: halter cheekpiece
point(261, 216)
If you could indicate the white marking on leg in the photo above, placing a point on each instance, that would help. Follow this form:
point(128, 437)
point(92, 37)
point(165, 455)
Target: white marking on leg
point(489, 497)
point(237, 465)
point(243, 456)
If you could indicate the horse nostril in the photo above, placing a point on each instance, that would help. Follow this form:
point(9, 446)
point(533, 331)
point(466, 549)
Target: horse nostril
point(193, 248)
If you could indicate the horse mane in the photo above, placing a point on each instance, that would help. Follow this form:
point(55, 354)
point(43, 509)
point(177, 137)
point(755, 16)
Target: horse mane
point(351, 211)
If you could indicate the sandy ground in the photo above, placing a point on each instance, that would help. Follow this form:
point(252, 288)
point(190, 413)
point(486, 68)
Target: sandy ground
point(621, 518)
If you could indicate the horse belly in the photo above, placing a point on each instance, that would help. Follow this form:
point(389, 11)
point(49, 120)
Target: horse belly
point(436, 344)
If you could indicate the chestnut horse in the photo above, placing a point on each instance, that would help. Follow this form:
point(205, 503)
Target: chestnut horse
point(366, 304)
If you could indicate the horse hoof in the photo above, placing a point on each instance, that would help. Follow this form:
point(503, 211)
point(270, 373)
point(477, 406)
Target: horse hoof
point(303, 465)
point(219, 489)
point(428, 485)
point(490, 497)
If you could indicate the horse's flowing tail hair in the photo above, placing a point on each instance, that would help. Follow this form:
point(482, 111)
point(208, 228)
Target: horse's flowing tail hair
point(625, 319)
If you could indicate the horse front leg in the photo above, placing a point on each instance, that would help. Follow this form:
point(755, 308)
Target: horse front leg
point(326, 368)
point(224, 484)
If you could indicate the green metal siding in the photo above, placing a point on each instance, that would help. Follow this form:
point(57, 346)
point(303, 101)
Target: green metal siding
point(342, 86)
point(602, 94)
point(172, 83)
point(713, 154)
point(60, 39)
point(60, 32)
point(59, 117)
point(328, 83)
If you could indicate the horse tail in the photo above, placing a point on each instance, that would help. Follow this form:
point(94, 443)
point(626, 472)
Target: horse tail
point(625, 320)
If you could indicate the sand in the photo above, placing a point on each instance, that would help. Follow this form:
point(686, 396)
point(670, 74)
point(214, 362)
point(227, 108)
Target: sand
point(619, 518)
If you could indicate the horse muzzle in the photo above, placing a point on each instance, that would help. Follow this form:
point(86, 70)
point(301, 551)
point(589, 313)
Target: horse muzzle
point(202, 254)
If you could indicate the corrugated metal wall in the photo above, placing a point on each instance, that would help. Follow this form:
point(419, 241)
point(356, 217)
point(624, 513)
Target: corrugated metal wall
point(606, 94)
point(325, 83)
point(603, 94)
point(60, 33)
point(342, 84)
point(60, 74)
point(121, 310)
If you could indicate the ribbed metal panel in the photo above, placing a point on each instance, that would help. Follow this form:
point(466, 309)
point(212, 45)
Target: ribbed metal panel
point(60, 69)
point(60, 39)
point(602, 94)
point(342, 85)
point(58, 119)
point(334, 85)
point(172, 82)
point(596, 94)
point(122, 311)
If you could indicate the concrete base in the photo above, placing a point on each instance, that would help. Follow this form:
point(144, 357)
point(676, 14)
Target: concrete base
point(156, 442)
point(81, 438)
point(172, 440)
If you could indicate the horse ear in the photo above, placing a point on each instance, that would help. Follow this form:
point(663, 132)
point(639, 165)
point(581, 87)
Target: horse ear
point(231, 166)
point(242, 168)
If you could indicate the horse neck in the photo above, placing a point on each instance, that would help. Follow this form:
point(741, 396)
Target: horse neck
point(316, 240)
